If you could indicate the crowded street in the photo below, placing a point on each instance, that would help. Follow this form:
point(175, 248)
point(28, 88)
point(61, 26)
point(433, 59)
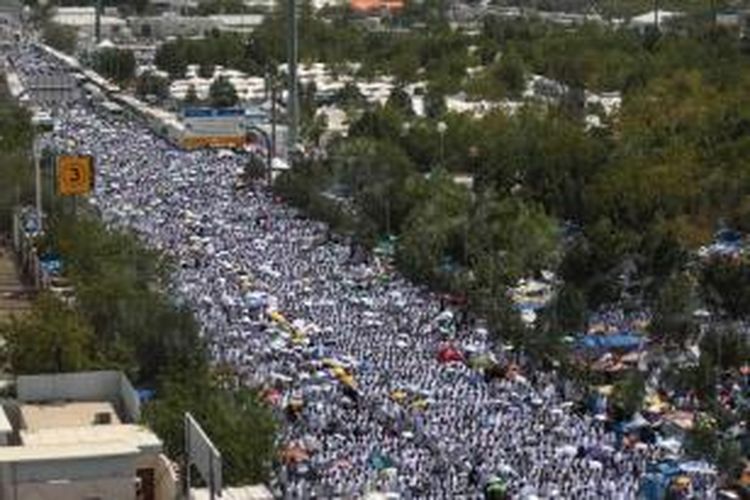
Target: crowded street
point(378, 381)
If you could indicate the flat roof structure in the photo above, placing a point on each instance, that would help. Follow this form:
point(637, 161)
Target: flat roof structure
point(38, 417)
point(75, 435)
point(134, 435)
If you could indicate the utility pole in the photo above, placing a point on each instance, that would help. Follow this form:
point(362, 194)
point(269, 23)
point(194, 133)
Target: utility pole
point(98, 21)
point(292, 57)
point(38, 182)
point(273, 117)
point(714, 19)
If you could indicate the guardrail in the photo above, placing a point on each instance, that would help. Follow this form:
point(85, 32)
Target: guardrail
point(43, 275)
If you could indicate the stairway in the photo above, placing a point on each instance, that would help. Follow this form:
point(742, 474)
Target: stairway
point(14, 295)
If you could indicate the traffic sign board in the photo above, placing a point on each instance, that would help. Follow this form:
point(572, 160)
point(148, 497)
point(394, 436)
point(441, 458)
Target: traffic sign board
point(75, 175)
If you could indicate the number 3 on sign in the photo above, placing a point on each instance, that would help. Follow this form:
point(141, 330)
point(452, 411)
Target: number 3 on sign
point(75, 175)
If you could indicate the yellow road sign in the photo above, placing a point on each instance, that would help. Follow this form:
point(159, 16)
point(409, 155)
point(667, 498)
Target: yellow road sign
point(75, 175)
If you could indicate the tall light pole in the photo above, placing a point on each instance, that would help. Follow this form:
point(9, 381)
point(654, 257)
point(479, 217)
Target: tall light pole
point(292, 57)
point(38, 181)
point(98, 21)
point(40, 123)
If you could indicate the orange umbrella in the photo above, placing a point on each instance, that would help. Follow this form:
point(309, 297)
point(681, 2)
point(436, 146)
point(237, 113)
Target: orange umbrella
point(294, 454)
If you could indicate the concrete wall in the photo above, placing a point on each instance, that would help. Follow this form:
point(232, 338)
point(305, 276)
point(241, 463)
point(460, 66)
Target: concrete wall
point(166, 482)
point(81, 479)
point(6, 430)
point(110, 386)
point(169, 25)
point(81, 469)
point(82, 386)
point(129, 398)
point(102, 489)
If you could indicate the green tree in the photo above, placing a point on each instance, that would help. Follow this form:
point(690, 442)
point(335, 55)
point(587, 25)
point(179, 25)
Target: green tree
point(170, 58)
point(524, 234)
point(378, 176)
point(221, 7)
point(62, 38)
point(726, 347)
point(729, 459)
point(256, 168)
point(191, 96)
point(206, 70)
point(511, 73)
point(726, 285)
point(150, 84)
point(435, 230)
point(140, 6)
point(222, 93)
point(52, 338)
point(117, 286)
point(702, 440)
point(628, 393)
point(350, 96)
point(400, 101)
point(434, 103)
point(115, 64)
point(570, 309)
point(15, 169)
point(673, 314)
point(240, 426)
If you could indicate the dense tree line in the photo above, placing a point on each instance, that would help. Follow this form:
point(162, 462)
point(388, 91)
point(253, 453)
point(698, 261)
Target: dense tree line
point(15, 146)
point(116, 64)
point(62, 38)
point(122, 318)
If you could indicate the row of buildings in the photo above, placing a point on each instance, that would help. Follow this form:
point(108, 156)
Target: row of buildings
point(173, 18)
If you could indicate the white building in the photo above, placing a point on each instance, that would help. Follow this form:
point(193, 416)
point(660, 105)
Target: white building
point(84, 20)
point(653, 19)
point(237, 23)
point(249, 88)
point(76, 435)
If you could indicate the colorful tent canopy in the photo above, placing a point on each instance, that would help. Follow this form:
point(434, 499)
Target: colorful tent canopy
point(449, 354)
point(626, 341)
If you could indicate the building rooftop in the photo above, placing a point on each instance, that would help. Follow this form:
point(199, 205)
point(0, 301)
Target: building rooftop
point(85, 19)
point(60, 428)
point(114, 435)
point(647, 19)
point(57, 416)
point(69, 430)
point(75, 416)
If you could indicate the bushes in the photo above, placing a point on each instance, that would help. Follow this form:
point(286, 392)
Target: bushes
point(122, 319)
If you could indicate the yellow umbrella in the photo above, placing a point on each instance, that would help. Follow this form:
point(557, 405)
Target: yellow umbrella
point(330, 363)
point(682, 482)
point(348, 380)
point(420, 404)
point(278, 317)
point(398, 396)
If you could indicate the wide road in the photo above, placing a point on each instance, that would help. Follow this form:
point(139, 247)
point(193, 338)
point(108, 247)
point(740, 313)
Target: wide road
point(377, 408)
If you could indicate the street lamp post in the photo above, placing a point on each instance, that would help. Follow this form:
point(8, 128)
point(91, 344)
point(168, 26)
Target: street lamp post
point(38, 181)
